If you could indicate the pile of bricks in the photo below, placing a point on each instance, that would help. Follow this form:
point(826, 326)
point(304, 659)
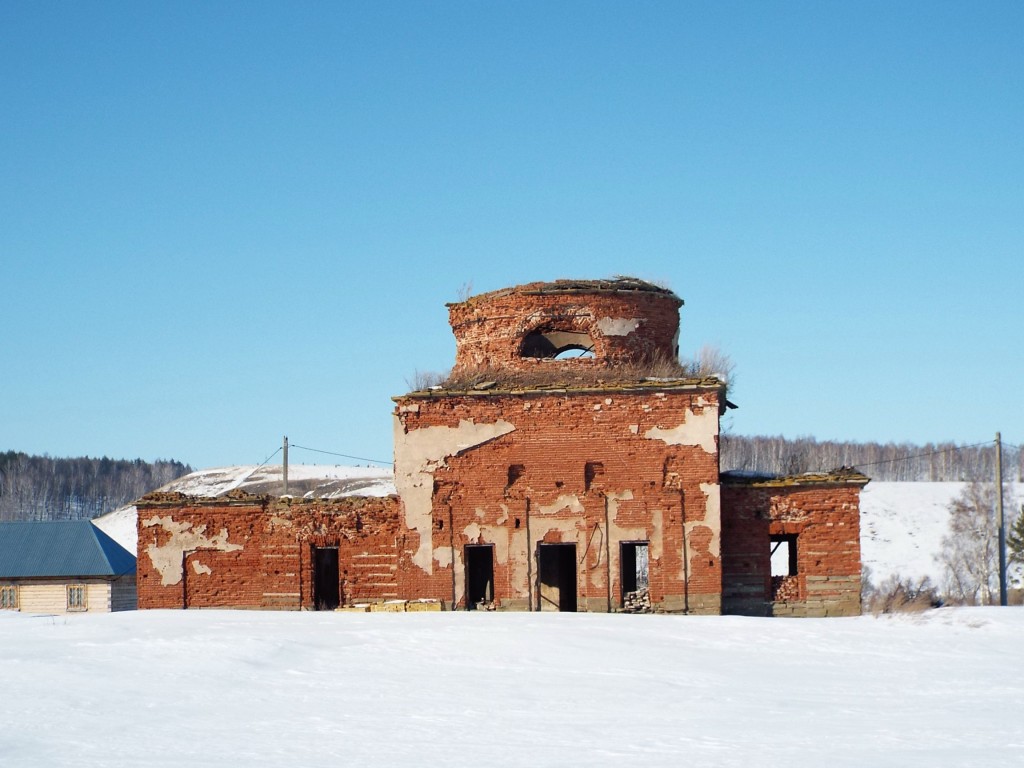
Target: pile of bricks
point(785, 588)
point(637, 602)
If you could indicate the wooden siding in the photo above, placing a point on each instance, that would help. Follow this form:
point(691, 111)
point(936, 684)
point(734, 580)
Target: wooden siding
point(52, 596)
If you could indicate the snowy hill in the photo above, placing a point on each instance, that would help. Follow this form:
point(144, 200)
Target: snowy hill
point(902, 524)
point(269, 689)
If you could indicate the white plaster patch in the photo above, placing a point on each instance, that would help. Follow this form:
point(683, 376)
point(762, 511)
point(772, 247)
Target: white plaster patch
point(443, 556)
point(167, 558)
point(566, 501)
point(504, 514)
point(657, 533)
point(697, 429)
point(472, 532)
point(634, 428)
point(418, 454)
point(617, 326)
point(201, 569)
point(713, 515)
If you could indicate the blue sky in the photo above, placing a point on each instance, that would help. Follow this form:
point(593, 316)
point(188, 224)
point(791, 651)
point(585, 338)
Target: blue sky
point(227, 222)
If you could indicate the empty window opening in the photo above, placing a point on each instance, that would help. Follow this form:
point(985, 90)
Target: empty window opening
point(517, 522)
point(515, 471)
point(593, 474)
point(783, 554)
point(326, 590)
point(557, 344)
point(785, 582)
point(634, 561)
point(479, 577)
point(557, 574)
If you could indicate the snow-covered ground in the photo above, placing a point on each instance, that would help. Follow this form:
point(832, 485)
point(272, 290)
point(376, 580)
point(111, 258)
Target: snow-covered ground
point(218, 688)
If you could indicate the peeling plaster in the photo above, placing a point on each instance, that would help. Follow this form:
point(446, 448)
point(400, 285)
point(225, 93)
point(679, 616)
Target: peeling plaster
point(568, 501)
point(499, 538)
point(418, 454)
point(520, 564)
point(167, 558)
point(504, 514)
point(713, 516)
point(201, 569)
point(697, 429)
point(443, 556)
point(657, 533)
point(617, 326)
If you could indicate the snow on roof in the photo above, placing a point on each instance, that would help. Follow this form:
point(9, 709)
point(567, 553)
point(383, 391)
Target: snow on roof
point(320, 481)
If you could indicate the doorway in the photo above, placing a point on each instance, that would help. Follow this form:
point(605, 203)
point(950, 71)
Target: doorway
point(326, 594)
point(479, 576)
point(557, 574)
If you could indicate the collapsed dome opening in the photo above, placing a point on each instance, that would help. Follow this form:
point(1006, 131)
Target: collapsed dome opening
point(553, 344)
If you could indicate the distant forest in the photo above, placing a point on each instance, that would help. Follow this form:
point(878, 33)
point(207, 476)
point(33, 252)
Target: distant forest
point(45, 488)
point(902, 462)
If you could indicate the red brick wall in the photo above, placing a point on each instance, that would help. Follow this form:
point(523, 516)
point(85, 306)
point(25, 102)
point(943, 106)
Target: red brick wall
point(256, 552)
point(646, 485)
point(489, 329)
point(825, 519)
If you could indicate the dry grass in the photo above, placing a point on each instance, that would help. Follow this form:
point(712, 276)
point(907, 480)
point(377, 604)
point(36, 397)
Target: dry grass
point(555, 373)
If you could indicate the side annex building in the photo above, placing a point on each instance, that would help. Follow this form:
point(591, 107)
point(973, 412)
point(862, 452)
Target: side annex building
point(568, 463)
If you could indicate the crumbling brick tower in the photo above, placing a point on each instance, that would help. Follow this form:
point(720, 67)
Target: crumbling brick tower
point(568, 463)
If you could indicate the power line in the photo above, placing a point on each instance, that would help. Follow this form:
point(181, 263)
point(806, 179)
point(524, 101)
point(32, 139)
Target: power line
point(342, 455)
point(268, 458)
point(954, 449)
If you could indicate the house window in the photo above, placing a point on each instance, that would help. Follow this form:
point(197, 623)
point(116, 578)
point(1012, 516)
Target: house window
point(77, 598)
point(8, 597)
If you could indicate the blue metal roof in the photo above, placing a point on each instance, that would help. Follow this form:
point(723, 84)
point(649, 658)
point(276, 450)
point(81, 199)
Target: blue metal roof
point(42, 549)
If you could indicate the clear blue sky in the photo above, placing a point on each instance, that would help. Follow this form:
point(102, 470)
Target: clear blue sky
point(225, 222)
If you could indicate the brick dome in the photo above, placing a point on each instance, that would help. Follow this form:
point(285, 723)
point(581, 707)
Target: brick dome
point(566, 324)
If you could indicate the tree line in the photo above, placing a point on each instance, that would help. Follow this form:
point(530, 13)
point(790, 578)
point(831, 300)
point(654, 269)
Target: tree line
point(46, 488)
point(903, 462)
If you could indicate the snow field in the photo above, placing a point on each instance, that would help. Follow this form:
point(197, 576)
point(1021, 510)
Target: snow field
point(216, 688)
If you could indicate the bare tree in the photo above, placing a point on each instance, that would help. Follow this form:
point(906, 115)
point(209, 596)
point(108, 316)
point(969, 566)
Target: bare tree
point(970, 551)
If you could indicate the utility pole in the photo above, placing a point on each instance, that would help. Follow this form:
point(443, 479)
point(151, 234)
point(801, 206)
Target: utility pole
point(999, 519)
point(284, 466)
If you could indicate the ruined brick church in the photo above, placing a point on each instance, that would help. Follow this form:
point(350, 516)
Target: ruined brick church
point(567, 464)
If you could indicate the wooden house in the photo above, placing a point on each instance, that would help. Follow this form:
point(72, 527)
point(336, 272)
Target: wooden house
point(64, 567)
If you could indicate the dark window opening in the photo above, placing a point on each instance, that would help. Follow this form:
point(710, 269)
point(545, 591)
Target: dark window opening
point(553, 344)
point(557, 574)
point(634, 562)
point(479, 576)
point(593, 472)
point(515, 471)
point(517, 522)
point(326, 590)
